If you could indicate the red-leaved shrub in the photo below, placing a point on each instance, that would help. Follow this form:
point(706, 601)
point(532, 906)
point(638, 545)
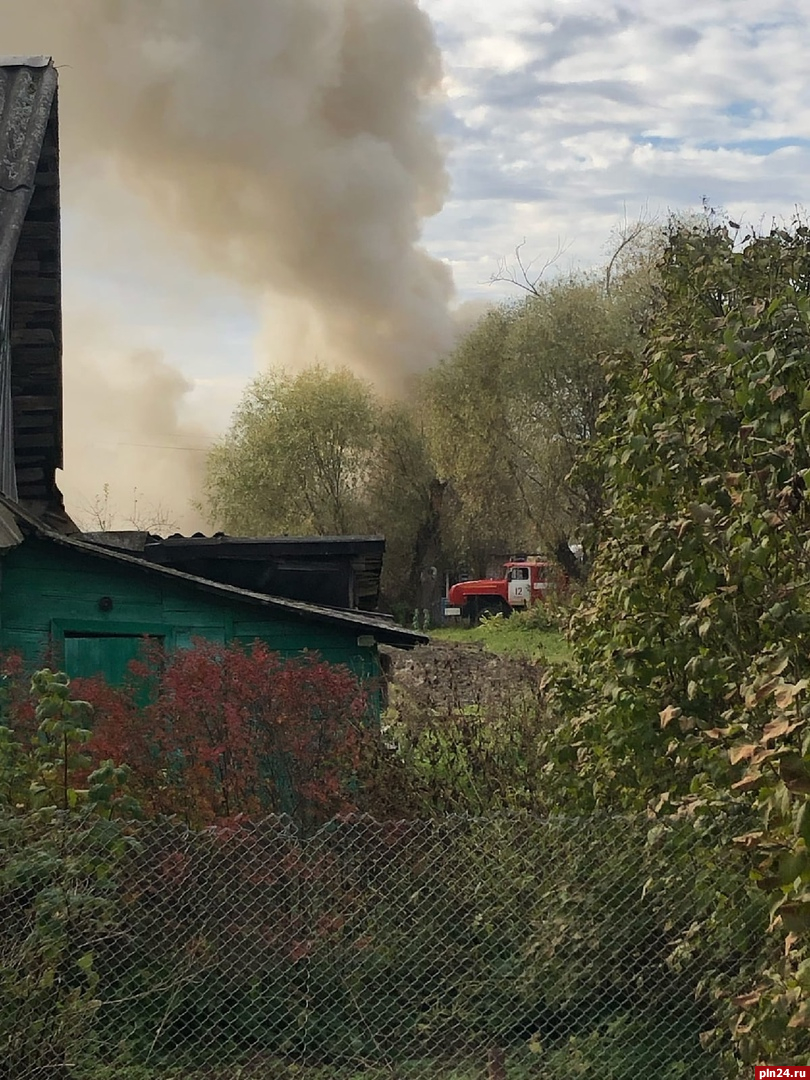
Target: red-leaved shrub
point(228, 730)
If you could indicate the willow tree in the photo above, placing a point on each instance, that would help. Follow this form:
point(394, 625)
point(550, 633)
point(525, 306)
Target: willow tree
point(297, 456)
point(513, 409)
point(320, 453)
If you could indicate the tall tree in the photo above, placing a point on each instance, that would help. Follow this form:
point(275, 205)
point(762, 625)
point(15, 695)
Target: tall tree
point(406, 503)
point(511, 411)
point(467, 410)
point(554, 363)
point(297, 456)
point(320, 453)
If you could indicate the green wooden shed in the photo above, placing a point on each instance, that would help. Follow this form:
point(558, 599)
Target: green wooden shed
point(89, 608)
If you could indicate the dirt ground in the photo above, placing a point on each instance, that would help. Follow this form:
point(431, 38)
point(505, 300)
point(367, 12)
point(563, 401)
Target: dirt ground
point(447, 674)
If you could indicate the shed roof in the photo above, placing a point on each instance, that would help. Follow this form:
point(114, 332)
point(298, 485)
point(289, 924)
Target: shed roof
point(216, 558)
point(15, 522)
point(270, 564)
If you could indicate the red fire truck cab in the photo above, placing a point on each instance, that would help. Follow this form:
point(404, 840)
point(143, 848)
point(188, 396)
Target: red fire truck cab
point(526, 581)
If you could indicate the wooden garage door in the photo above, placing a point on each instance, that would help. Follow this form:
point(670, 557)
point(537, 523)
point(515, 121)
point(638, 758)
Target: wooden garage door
point(107, 655)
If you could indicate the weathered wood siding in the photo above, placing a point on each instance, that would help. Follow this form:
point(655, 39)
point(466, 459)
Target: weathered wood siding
point(50, 593)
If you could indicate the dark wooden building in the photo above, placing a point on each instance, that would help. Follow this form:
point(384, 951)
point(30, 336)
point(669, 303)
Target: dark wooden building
point(30, 288)
point(339, 571)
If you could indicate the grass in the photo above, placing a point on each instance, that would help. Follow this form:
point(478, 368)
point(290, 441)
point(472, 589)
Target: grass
point(510, 637)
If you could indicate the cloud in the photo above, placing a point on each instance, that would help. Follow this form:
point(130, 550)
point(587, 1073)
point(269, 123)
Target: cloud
point(566, 115)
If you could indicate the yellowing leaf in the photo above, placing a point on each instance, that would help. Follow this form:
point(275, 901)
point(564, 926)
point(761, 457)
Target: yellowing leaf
point(670, 713)
point(741, 753)
point(749, 840)
point(748, 1001)
point(786, 694)
point(749, 782)
point(776, 728)
point(759, 693)
point(780, 666)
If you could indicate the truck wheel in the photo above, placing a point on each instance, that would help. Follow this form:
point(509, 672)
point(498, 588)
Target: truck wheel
point(488, 608)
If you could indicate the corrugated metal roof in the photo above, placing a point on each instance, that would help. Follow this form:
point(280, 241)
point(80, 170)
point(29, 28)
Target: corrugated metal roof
point(25, 61)
point(138, 538)
point(341, 540)
point(121, 539)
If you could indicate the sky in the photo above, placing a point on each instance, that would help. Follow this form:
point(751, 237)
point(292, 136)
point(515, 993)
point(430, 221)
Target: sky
point(557, 120)
point(563, 117)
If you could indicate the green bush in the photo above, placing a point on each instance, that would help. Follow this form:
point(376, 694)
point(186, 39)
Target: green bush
point(59, 844)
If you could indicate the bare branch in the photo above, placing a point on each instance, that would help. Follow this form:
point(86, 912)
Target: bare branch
point(99, 514)
point(520, 273)
point(628, 233)
point(102, 515)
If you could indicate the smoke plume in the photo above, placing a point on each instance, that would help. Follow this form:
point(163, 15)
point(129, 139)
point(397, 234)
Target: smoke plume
point(285, 145)
point(134, 453)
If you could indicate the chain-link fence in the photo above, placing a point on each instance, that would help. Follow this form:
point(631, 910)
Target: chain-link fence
point(457, 949)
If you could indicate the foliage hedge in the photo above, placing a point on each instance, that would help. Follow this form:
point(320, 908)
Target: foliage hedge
point(691, 649)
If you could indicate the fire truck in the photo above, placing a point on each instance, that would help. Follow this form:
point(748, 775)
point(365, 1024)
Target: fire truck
point(526, 580)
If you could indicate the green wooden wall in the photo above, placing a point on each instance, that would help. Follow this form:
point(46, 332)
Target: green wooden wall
point(50, 606)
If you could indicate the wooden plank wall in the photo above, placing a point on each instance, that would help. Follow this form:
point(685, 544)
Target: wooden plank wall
point(36, 334)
